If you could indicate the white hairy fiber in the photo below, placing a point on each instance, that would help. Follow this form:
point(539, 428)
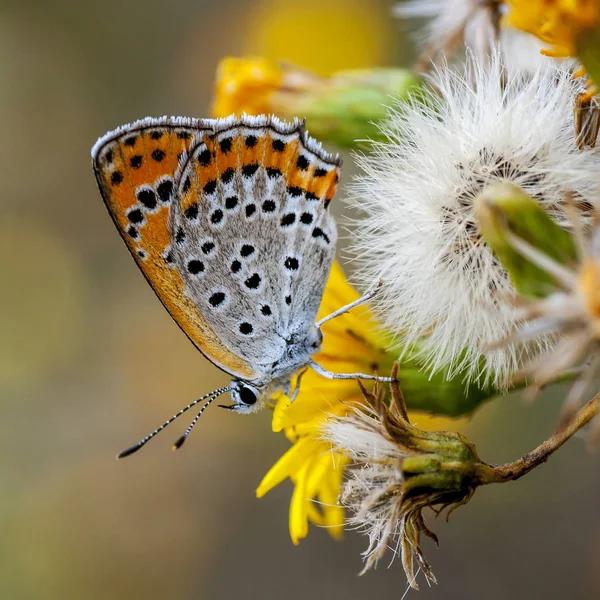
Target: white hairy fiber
point(360, 436)
point(417, 231)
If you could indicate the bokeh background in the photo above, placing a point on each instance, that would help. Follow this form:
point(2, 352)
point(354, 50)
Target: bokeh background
point(90, 361)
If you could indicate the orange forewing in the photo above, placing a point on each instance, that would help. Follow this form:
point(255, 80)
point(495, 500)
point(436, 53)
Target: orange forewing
point(145, 154)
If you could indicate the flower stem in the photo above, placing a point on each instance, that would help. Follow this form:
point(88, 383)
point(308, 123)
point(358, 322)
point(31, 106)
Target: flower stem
point(515, 470)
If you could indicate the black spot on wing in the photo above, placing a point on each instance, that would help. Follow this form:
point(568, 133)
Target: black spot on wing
point(147, 198)
point(136, 161)
point(278, 145)
point(246, 250)
point(246, 328)
point(195, 267)
point(191, 212)
point(158, 155)
point(165, 190)
point(204, 158)
point(225, 145)
point(216, 299)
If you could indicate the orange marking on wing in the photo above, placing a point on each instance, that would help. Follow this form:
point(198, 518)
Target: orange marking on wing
point(162, 155)
point(297, 177)
point(280, 160)
point(270, 157)
point(325, 186)
point(317, 186)
point(331, 181)
point(153, 235)
point(228, 159)
point(202, 175)
point(123, 199)
point(253, 155)
point(136, 161)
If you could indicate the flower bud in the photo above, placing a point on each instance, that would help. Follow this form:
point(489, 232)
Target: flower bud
point(503, 212)
point(341, 109)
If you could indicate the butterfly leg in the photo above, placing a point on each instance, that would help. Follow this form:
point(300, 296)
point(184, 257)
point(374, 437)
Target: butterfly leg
point(297, 386)
point(350, 306)
point(330, 375)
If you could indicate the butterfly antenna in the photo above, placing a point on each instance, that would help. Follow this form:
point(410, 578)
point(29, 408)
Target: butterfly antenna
point(214, 394)
point(184, 437)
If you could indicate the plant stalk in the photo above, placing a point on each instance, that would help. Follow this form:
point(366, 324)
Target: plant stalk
point(517, 469)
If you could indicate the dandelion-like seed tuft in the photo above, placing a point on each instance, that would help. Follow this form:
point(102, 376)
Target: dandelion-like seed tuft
point(417, 230)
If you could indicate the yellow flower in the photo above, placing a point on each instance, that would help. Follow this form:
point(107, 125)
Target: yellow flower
point(351, 343)
point(571, 28)
point(340, 108)
point(558, 22)
point(245, 85)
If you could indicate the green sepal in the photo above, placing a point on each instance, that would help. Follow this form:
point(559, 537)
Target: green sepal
point(347, 109)
point(503, 209)
point(438, 393)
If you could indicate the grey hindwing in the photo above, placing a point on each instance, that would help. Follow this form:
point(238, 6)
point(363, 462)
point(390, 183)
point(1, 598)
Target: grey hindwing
point(253, 252)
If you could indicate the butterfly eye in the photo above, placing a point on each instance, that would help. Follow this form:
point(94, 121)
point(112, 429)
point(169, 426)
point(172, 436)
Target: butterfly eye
point(247, 396)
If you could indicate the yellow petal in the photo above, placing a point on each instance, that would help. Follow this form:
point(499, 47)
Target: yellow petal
point(313, 410)
point(299, 507)
point(287, 465)
point(322, 463)
point(333, 513)
point(243, 85)
point(351, 344)
point(314, 515)
point(283, 403)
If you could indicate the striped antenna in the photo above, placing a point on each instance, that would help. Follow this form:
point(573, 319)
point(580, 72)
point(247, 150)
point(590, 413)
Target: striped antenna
point(182, 439)
point(214, 394)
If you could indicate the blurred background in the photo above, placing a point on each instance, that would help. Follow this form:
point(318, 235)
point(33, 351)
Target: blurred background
point(90, 361)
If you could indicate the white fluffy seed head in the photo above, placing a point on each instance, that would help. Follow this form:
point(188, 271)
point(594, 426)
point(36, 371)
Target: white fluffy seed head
point(416, 229)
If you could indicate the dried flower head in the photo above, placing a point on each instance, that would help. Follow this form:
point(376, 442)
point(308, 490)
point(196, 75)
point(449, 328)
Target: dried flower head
point(452, 23)
point(417, 229)
point(399, 471)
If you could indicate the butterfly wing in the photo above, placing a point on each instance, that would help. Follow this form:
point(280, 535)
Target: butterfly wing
point(254, 237)
point(135, 167)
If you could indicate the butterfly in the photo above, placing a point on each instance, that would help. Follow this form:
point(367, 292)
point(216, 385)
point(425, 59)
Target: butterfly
point(229, 221)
